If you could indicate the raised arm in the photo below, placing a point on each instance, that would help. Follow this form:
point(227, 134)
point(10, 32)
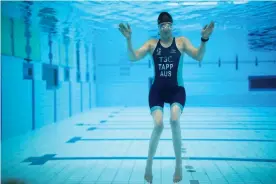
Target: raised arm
point(198, 53)
point(135, 55)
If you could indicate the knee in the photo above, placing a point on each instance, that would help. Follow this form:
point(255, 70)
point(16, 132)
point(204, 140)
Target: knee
point(175, 114)
point(175, 124)
point(174, 119)
point(159, 126)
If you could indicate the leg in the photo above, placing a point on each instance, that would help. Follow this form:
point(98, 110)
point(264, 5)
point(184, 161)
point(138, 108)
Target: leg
point(178, 99)
point(176, 136)
point(154, 140)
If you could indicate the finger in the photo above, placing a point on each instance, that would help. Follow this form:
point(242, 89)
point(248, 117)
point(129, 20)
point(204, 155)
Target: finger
point(210, 27)
point(122, 26)
point(205, 26)
point(212, 24)
point(128, 26)
point(120, 30)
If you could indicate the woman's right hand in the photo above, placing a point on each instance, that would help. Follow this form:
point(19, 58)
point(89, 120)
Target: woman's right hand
point(125, 30)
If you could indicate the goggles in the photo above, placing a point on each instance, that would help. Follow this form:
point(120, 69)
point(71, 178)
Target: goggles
point(165, 24)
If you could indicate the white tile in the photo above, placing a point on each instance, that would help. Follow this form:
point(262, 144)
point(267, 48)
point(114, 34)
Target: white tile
point(52, 139)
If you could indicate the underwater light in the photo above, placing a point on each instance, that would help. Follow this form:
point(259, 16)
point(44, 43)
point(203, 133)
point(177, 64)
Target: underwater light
point(240, 1)
point(200, 3)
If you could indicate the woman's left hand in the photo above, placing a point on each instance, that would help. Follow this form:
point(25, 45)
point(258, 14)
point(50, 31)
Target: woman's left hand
point(207, 30)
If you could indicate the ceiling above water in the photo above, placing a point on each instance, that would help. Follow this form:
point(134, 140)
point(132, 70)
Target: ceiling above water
point(81, 18)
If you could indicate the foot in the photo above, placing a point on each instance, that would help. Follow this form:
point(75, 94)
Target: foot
point(177, 177)
point(148, 173)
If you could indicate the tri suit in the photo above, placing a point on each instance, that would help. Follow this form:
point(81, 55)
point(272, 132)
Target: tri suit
point(167, 85)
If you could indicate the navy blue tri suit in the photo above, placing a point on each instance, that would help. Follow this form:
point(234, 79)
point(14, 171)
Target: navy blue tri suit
point(168, 84)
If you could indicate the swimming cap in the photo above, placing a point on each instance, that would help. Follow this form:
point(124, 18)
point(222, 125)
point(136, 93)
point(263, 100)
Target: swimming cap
point(164, 17)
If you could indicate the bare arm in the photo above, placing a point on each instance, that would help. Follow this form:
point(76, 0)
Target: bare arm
point(139, 53)
point(195, 53)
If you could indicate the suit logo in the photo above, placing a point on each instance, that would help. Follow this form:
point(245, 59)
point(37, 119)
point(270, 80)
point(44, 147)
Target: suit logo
point(173, 51)
point(158, 51)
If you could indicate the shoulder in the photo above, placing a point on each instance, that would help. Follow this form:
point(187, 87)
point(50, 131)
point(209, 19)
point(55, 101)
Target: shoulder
point(152, 43)
point(181, 42)
point(181, 39)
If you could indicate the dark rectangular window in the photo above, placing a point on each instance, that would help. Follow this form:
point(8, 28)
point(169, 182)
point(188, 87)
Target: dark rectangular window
point(262, 83)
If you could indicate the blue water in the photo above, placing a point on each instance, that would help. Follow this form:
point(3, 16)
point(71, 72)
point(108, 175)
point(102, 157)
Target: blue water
point(74, 109)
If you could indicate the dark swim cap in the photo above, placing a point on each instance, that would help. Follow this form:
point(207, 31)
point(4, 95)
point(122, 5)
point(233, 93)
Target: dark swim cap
point(164, 17)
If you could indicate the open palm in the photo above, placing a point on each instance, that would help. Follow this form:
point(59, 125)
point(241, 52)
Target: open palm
point(125, 30)
point(207, 30)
